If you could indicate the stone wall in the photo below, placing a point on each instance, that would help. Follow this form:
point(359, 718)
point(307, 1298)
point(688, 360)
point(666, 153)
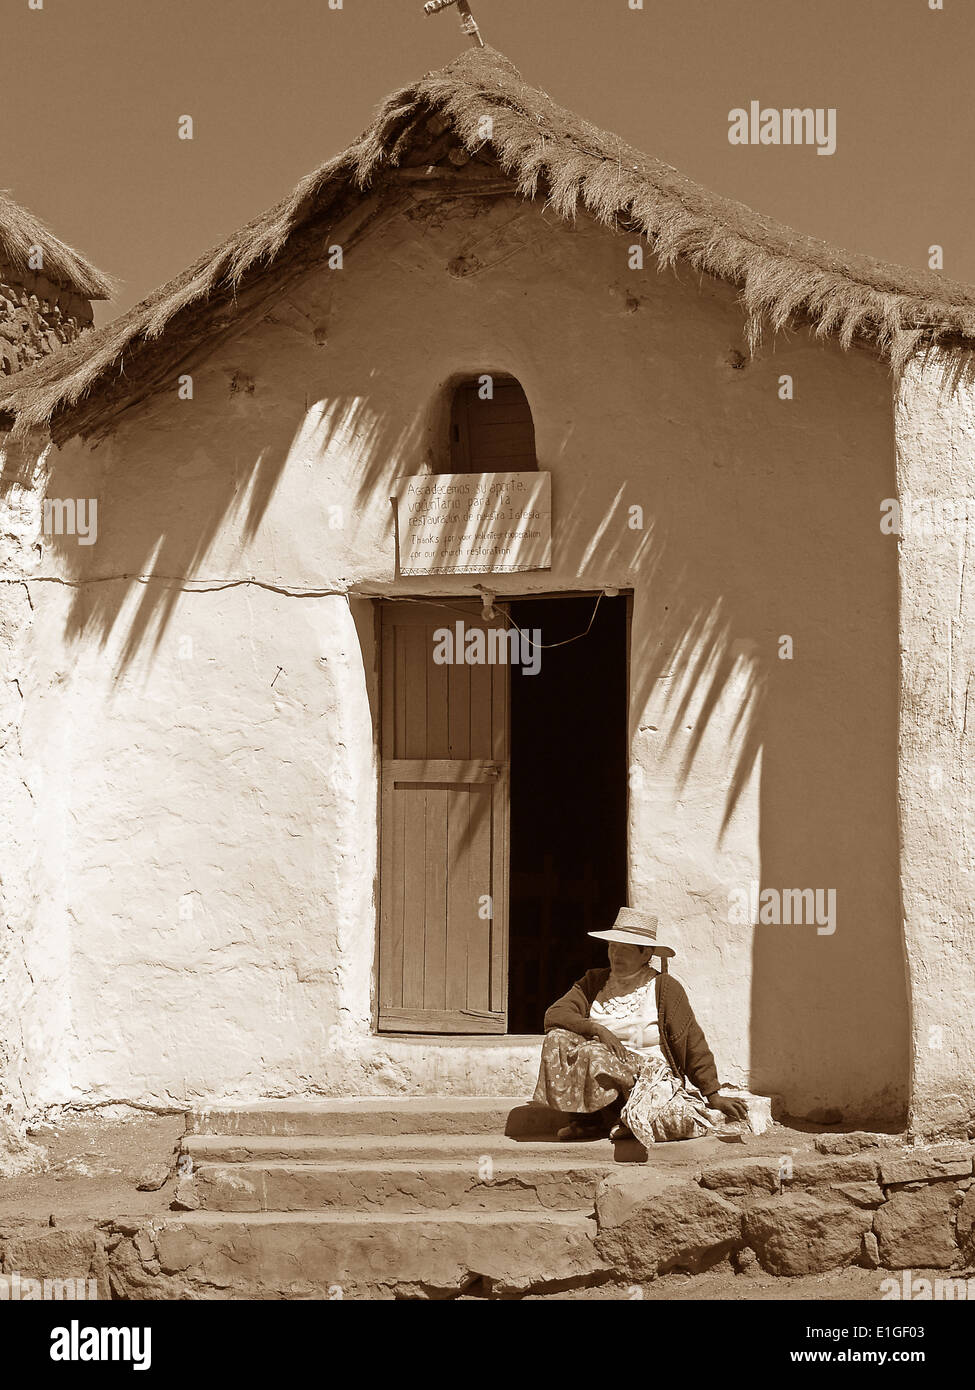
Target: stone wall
point(882, 1206)
point(36, 318)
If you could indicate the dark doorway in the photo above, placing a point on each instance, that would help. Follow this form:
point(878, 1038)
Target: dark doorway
point(568, 799)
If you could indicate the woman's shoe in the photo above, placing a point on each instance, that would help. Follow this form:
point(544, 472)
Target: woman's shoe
point(620, 1131)
point(578, 1133)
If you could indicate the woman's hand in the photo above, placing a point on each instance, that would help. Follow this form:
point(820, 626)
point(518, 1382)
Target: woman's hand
point(731, 1106)
point(610, 1040)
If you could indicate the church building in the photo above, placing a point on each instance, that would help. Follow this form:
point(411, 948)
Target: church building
point(501, 530)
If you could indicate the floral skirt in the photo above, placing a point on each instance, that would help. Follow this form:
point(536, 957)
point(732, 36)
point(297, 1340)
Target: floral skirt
point(581, 1075)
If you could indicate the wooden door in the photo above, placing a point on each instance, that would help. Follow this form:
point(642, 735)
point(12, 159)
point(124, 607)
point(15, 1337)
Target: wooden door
point(444, 836)
point(496, 435)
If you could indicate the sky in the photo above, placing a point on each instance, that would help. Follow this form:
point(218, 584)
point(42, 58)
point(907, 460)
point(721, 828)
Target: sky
point(94, 90)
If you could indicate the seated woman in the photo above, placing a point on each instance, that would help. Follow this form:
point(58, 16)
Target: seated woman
point(620, 1044)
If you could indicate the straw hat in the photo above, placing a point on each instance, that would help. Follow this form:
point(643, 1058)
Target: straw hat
point(635, 929)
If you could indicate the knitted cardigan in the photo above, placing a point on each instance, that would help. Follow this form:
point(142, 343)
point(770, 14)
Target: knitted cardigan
point(682, 1040)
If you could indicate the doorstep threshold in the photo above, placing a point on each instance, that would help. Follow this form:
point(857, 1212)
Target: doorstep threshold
point(467, 1039)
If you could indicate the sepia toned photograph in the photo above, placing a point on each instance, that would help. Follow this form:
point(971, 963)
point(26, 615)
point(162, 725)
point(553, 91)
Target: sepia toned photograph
point(487, 797)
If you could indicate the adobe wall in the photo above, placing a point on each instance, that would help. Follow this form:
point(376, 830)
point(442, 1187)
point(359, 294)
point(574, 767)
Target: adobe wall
point(936, 480)
point(35, 1010)
point(203, 765)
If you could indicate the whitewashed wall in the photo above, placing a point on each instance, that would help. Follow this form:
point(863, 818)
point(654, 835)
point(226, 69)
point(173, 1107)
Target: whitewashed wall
point(164, 772)
point(936, 477)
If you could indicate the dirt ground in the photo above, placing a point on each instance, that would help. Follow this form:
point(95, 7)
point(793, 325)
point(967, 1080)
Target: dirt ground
point(90, 1169)
point(722, 1285)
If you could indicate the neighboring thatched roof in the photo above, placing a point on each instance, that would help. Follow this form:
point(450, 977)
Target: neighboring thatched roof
point(544, 150)
point(21, 232)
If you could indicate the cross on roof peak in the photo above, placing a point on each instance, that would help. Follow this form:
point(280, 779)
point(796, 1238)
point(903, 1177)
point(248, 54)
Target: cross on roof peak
point(467, 21)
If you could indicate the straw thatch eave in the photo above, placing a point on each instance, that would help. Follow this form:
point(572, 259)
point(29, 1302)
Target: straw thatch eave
point(21, 233)
point(545, 151)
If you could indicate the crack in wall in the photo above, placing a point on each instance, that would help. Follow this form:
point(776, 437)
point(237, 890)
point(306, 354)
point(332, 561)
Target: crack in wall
point(190, 586)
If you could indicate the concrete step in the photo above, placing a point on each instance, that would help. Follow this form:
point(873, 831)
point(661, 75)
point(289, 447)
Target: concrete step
point(395, 1186)
point(383, 1116)
point(418, 1148)
point(365, 1254)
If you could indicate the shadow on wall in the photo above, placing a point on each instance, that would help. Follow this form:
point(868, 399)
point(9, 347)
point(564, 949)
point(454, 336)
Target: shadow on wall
point(157, 526)
point(734, 554)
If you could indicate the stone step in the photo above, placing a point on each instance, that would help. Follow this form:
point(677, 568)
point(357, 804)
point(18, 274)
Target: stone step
point(418, 1148)
point(492, 1185)
point(376, 1116)
point(365, 1254)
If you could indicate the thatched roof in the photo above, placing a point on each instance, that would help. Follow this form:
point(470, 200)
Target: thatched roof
point(544, 150)
point(21, 232)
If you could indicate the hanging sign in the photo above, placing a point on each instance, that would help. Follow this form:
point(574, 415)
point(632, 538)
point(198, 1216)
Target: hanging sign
point(474, 523)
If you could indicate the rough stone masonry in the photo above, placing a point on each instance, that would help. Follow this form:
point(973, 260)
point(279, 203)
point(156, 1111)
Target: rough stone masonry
point(36, 318)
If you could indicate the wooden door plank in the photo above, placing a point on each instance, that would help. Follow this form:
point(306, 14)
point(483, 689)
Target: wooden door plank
point(458, 711)
point(461, 907)
point(435, 901)
point(438, 744)
point(435, 918)
point(398, 638)
point(482, 743)
point(442, 770)
point(444, 1021)
point(413, 810)
point(388, 684)
point(500, 699)
point(502, 410)
point(390, 833)
point(479, 930)
point(414, 678)
point(413, 613)
point(391, 901)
